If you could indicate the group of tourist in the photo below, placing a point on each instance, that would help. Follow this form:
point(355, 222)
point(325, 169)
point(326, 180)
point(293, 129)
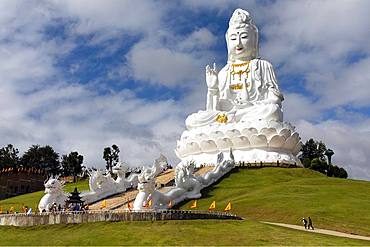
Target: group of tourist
point(307, 224)
point(54, 208)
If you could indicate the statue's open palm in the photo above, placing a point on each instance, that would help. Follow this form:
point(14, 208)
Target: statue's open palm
point(211, 76)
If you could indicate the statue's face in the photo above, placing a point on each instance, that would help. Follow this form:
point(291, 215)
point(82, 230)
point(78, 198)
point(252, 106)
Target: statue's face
point(241, 43)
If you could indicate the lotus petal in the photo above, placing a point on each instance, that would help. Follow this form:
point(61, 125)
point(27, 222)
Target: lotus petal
point(201, 136)
point(249, 132)
point(241, 142)
point(286, 133)
point(297, 148)
point(216, 134)
point(208, 146)
point(277, 141)
point(268, 132)
point(258, 141)
point(232, 133)
point(192, 148)
point(291, 142)
point(224, 143)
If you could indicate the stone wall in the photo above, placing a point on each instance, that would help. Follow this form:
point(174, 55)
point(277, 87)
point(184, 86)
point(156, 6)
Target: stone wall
point(97, 216)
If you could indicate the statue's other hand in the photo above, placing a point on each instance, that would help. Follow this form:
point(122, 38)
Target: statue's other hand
point(211, 76)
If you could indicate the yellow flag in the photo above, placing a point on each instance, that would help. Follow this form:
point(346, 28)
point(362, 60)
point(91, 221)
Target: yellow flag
point(1, 210)
point(228, 207)
point(212, 206)
point(150, 203)
point(170, 204)
point(194, 204)
point(103, 204)
point(11, 209)
point(129, 206)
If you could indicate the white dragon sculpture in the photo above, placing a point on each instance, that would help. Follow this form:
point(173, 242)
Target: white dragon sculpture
point(104, 185)
point(188, 185)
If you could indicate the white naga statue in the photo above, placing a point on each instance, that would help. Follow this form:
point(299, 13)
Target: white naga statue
point(243, 109)
point(188, 185)
point(103, 185)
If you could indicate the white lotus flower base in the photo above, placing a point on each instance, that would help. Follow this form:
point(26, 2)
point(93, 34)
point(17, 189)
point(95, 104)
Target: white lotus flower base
point(264, 142)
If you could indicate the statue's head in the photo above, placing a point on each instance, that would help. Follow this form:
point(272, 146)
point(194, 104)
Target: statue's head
point(241, 37)
point(120, 168)
point(53, 185)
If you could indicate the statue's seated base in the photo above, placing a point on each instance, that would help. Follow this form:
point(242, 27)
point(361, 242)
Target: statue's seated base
point(260, 141)
point(252, 157)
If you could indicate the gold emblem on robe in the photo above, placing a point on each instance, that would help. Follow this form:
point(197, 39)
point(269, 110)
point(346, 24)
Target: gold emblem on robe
point(221, 118)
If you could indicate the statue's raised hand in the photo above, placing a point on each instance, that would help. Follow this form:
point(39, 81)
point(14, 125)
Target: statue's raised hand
point(211, 76)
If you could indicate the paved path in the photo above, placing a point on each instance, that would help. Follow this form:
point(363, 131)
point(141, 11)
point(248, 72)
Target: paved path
point(322, 231)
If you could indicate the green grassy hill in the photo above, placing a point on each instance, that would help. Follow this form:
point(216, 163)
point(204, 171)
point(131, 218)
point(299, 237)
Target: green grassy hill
point(287, 195)
point(268, 194)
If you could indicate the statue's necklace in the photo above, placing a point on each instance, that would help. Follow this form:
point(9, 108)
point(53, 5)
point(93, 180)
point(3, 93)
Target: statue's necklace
point(241, 71)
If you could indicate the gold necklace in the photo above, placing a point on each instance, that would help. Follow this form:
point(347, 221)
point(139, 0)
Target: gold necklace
point(240, 72)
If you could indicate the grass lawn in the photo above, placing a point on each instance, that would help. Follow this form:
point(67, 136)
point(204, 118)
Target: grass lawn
point(197, 232)
point(268, 194)
point(287, 195)
point(32, 199)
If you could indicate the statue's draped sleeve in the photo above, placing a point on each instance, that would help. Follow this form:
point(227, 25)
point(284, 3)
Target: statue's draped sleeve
point(268, 78)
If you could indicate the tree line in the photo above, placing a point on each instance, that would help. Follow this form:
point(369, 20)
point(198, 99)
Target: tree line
point(46, 158)
point(314, 155)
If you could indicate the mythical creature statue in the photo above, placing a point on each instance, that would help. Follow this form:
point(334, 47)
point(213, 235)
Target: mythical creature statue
point(102, 184)
point(188, 185)
point(146, 185)
point(120, 169)
point(54, 194)
point(243, 107)
point(98, 181)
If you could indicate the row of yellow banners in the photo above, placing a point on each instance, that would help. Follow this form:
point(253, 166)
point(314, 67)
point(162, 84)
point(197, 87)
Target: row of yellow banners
point(194, 205)
point(212, 206)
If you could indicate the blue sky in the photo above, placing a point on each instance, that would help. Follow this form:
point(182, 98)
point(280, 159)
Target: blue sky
point(82, 74)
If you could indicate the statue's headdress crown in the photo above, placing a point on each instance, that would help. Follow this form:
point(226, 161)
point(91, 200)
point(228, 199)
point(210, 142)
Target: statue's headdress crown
point(240, 19)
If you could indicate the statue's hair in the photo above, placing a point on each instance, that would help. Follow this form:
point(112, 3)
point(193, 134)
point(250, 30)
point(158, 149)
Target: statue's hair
point(242, 19)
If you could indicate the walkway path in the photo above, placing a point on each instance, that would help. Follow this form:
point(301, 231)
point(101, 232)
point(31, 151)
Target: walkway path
point(322, 231)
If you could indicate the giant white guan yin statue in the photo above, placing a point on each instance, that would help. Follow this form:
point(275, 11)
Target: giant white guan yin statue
point(243, 109)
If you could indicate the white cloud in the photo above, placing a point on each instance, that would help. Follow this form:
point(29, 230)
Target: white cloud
point(38, 106)
point(162, 65)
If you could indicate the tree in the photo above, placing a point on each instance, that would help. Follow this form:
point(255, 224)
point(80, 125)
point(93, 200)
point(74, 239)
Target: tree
point(42, 158)
point(111, 156)
point(319, 165)
point(9, 157)
point(343, 173)
point(72, 165)
point(313, 149)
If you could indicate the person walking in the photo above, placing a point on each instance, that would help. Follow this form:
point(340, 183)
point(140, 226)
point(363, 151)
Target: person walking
point(310, 223)
point(304, 223)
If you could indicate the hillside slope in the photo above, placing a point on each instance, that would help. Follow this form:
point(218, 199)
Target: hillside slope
point(287, 195)
point(271, 194)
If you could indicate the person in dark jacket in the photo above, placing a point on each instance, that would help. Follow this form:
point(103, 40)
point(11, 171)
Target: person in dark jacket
point(304, 223)
point(310, 223)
